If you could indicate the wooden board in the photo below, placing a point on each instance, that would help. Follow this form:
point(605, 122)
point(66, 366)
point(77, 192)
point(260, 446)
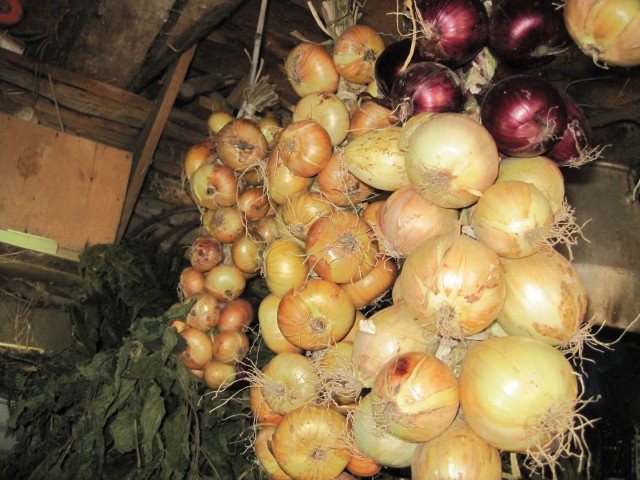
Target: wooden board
point(60, 186)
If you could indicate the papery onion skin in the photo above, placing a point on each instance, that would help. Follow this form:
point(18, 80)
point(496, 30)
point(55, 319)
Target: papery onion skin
point(385, 334)
point(340, 248)
point(281, 182)
point(417, 395)
point(541, 171)
point(373, 285)
point(284, 266)
point(304, 146)
point(261, 447)
point(510, 388)
point(451, 32)
point(289, 381)
point(526, 34)
point(426, 87)
point(451, 159)
point(407, 219)
point(310, 69)
point(607, 31)
point(375, 442)
point(375, 159)
point(355, 53)
point(339, 186)
point(390, 62)
point(546, 298)
point(269, 329)
point(370, 115)
point(326, 109)
point(510, 217)
point(241, 144)
point(316, 314)
point(310, 444)
point(458, 453)
point(525, 115)
point(453, 284)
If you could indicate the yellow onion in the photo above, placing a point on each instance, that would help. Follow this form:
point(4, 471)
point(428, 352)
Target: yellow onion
point(513, 218)
point(261, 446)
point(241, 145)
point(225, 282)
point(315, 314)
point(284, 266)
point(416, 397)
point(253, 204)
point(262, 413)
point(196, 156)
point(340, 387)
point(269, 329)
point(454, 284)
point(281, 182)
point(407, 219)
point(375, 442)
point(217, 120)
point(246, 253)
point(374, 284)
point(226, 224)
point(339, 186)
point(542, 172)
point(304, 146)
point(288, 381)
point(270, 128)
point(385, 334)
point(264, 230)
point(606, 30)
point(368, 116)
point(520, 395)
point(458, 453)
point(545, 300)
point(355, 53)
point(451, 159)
point(218, 375)
point(375, 158)
point(205, 312)
point(214, 185)
point(326, 109)
point(310, 69)
point(340, 248)
point(302, 210)
point(230, 346)
point(310, 443)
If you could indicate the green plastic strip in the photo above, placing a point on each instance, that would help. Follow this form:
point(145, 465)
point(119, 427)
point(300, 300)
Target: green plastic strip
point(36, 244)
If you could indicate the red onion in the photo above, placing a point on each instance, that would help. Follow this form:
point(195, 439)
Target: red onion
point(451, 32)
point(426, 87)
point(574, 147)
point(525, 115)
point(526, 33)
point(390, 62)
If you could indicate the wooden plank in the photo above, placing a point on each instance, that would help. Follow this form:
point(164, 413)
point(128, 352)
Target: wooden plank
point(113, 39)
point(60, 186)
point(152, 133)
point(197, 18)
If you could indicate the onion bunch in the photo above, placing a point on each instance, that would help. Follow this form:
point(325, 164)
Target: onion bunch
point(406, 234)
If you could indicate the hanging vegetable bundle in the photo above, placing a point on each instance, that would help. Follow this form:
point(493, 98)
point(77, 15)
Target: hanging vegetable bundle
point(418, 311)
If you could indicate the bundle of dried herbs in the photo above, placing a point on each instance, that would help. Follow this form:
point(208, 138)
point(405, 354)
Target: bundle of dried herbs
point(131, 412)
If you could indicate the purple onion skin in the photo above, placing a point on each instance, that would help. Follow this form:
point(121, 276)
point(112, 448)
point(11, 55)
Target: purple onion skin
point(524, 114)
point(526, 34)
point(389, 65)
point(574, 146)
point(451, 32)
point(427, 87)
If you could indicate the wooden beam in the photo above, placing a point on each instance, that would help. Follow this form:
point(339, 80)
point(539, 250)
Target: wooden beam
point(152, 133)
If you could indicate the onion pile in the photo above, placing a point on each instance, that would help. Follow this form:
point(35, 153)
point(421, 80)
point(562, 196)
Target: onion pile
point(419, 314)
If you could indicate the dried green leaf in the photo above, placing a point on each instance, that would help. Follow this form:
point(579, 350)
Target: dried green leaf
point(122, 429)
point(153, 412)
